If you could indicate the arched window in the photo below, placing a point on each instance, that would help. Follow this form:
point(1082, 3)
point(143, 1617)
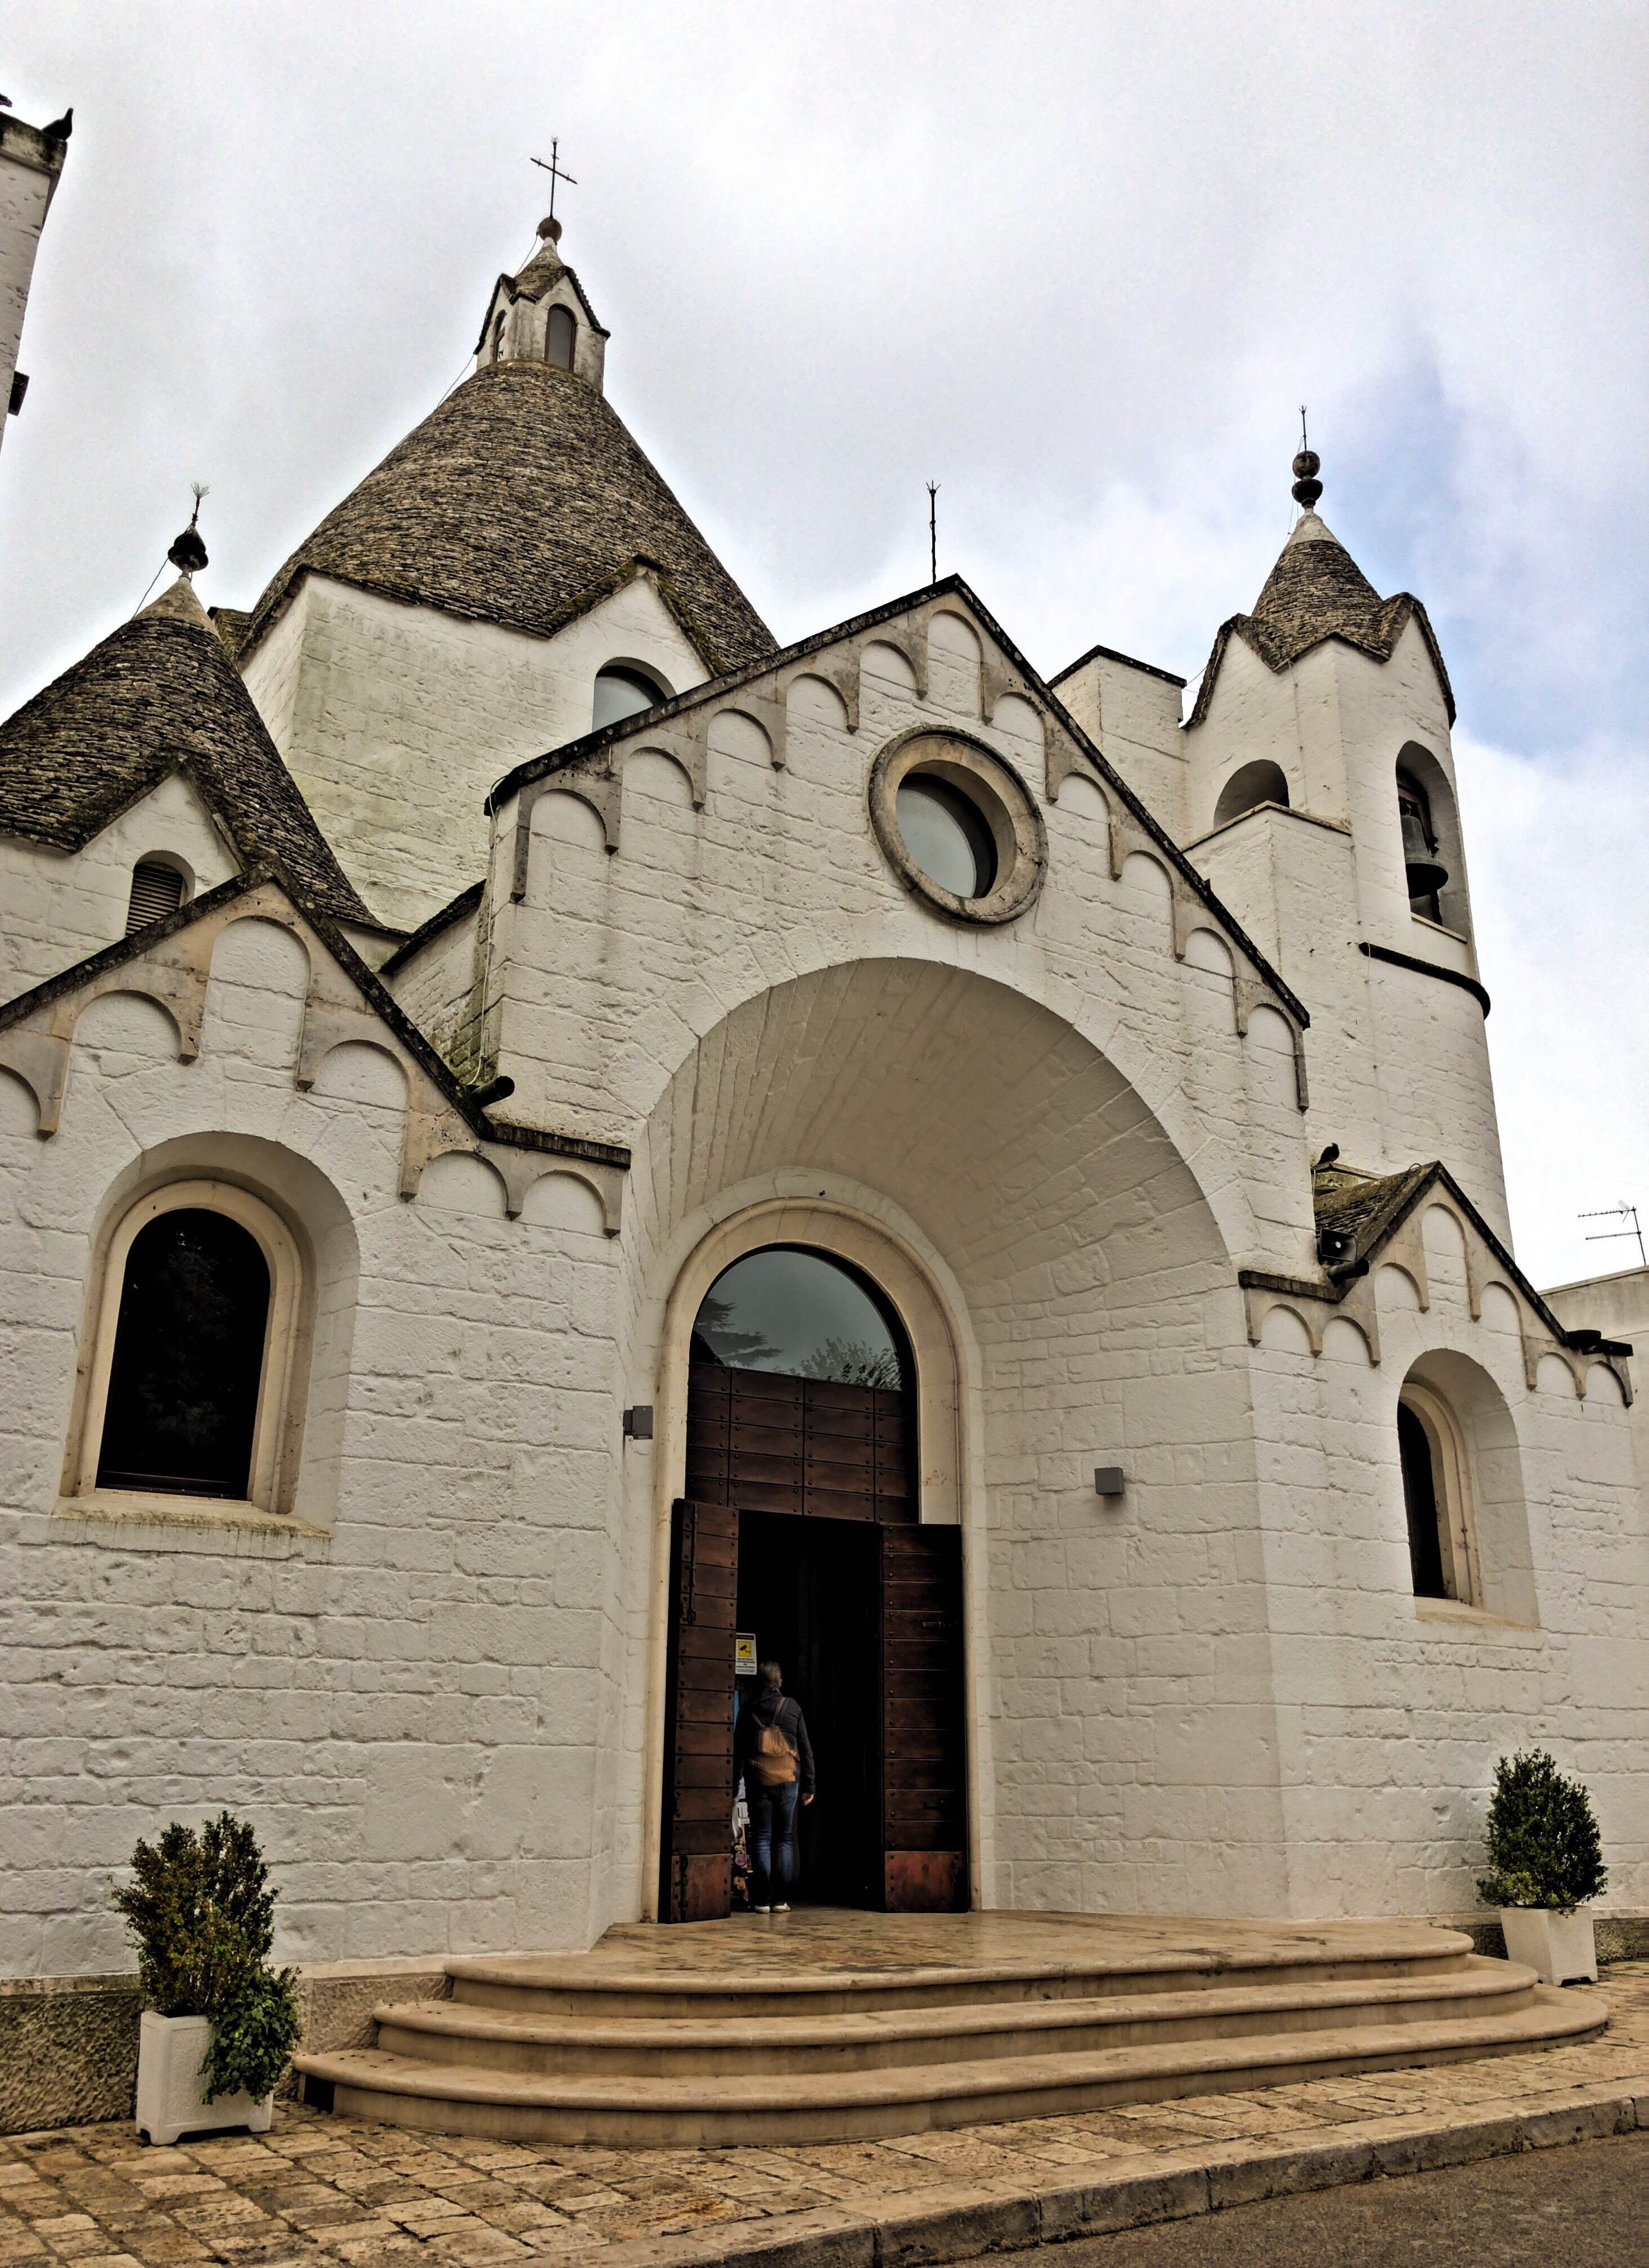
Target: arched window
point(192, 1349)
point(560, 337)
point(622, 690)
point(1436, 1495)
point(802, 1314)
point(1249, 787)
point(497, 338)
point(157, 891)
point(801, 1392)
point(1423, 869)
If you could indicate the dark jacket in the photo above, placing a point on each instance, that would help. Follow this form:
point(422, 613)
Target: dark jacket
point(774, 1708)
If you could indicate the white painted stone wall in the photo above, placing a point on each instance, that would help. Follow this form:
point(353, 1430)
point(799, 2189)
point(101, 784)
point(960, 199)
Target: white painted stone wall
point(63, 906)
point(402, 1687)
point(29, 170)
point(437, 1690)
point(395, 721)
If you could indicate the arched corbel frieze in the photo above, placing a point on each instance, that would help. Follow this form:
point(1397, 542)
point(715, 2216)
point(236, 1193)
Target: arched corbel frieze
point(432, 1134)
point(599, 789)
point(40, 1060)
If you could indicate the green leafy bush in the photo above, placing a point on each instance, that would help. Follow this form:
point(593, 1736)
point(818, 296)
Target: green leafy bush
point(1543, 1845)
point(201, 1915)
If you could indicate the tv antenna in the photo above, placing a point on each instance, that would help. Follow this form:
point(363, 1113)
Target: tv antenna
point(1623, 1212)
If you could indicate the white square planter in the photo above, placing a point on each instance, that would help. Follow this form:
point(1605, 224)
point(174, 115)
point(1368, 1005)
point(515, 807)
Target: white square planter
point(171, 2097)
point(1560, 1948)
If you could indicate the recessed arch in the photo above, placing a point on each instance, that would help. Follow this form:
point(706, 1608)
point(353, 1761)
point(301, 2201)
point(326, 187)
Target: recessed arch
point(624, 688)
point(1249, 786)
point(1462, 1488)
point(560, 338)
point(1426, 800)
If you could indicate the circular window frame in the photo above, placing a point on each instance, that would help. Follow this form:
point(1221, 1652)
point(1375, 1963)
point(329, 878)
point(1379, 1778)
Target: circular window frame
point(998, 795)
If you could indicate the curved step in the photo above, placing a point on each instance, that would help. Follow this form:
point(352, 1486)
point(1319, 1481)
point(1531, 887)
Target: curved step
point(712, 2045)
point(551, 1983)
point(781, 2107)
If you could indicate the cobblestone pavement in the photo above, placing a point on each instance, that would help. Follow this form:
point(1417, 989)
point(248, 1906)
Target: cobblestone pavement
point(317, 2189)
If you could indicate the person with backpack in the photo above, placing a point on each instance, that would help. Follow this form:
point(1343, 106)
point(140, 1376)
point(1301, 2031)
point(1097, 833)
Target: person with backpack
point(773, 1753)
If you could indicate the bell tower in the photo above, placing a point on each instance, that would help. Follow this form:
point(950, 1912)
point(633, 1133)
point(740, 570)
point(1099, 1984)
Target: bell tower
point(541, 314)
point(1322, 803)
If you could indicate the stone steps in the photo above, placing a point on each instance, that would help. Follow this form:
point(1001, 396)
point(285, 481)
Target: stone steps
point(780, 2107)
point(718, 2045)
point(841, 2027)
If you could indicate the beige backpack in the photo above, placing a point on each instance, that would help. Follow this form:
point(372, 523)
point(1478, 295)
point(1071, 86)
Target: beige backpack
point(772, 1760)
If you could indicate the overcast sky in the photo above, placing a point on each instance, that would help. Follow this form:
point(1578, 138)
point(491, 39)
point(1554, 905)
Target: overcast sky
point(1079, 263)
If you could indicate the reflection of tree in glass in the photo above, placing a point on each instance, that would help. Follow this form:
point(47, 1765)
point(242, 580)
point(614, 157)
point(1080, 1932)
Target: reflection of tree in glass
point(716, 1338)
point(854, 1362)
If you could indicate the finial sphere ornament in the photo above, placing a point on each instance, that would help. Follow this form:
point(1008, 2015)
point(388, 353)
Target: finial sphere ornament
point(1307, 486)
point(550, 230)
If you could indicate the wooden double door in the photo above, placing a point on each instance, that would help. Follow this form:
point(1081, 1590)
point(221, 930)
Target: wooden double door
point(800, 1525)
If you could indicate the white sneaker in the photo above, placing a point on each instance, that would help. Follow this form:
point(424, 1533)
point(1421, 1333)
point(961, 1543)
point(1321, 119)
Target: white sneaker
point(761, 1909)
point(778, 1909)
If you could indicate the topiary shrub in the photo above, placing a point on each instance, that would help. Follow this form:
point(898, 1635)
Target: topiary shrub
point(1543, 1847)
point(201, 1915)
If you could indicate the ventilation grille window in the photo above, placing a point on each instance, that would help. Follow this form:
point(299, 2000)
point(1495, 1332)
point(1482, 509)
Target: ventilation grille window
point(157, 891)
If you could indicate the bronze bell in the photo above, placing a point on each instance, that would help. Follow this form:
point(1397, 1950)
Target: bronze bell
point(1426, 875)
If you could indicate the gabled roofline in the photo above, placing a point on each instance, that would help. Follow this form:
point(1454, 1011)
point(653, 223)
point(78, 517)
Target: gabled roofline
point(581, 603)
point(373, 992)
point(1109, 653)
point(426, 933)
point(1407, 1189)
point(220, 808)
point(1397, 612)
point(718, 689)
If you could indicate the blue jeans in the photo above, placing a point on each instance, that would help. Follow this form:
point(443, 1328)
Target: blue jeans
point(772, 1839)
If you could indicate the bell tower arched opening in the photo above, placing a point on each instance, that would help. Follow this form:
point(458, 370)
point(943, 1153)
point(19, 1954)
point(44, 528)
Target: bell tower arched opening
point(800, 1539)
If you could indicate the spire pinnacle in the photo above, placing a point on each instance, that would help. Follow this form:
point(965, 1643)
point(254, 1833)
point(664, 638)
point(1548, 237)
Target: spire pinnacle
point(188, 553)
point(1308, 465)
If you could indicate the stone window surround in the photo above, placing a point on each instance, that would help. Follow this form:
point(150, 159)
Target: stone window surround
point(996, 791)
point(277, 1433)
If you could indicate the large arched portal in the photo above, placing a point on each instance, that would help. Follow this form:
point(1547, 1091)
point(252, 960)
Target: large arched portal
point(800, 1539)
point(1070, 1301)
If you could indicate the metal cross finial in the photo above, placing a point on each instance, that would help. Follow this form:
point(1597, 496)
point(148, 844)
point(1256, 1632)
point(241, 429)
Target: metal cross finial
point(933, 532)
point(555, 172)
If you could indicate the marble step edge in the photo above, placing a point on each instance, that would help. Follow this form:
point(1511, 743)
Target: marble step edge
point(1396, 2000)
point(1554, 2015)
point(486, 1981)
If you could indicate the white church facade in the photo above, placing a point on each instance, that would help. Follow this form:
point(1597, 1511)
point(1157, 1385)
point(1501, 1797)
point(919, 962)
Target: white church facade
point(541, 1131)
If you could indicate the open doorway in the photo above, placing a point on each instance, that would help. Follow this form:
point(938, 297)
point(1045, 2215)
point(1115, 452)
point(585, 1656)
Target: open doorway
point(807, 1593)
point(801, 1530)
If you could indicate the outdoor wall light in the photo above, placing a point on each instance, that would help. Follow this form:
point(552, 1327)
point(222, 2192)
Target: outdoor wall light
point(638, 1422)
point(1108, 1480)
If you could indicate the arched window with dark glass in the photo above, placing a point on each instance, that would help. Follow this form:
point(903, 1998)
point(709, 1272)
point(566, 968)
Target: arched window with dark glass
point(801, 1391)
point(182, 1407)
point(560, 337)
point(623, 690)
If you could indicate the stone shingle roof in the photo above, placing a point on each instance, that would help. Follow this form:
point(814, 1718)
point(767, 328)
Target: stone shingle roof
point(1317, 591)
point(158, 694)
point(524, 500)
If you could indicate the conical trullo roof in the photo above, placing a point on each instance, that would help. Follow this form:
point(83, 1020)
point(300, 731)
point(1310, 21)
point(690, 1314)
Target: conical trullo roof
point(1317, 591)
point(158, 691)
point(524, 500)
